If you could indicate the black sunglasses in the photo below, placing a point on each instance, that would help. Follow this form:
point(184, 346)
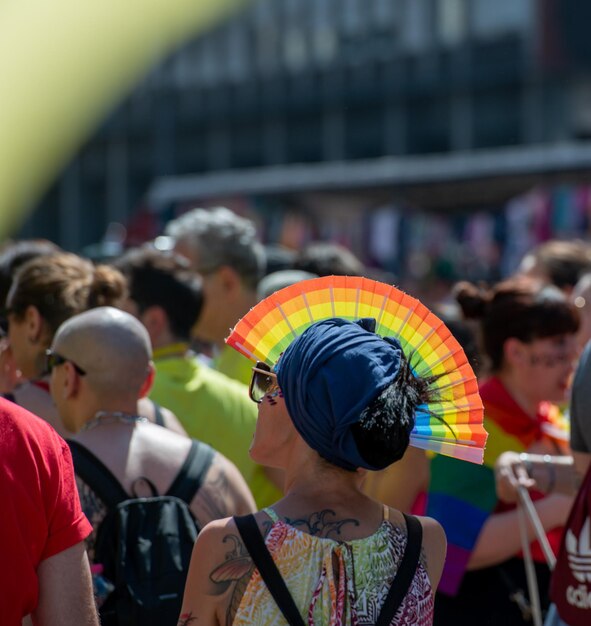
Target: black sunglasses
point(52, 359)
point(262, 382)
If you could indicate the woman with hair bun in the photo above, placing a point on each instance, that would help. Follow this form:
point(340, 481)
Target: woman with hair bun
point(45, 292)
point(528, 333)
point(340, 400)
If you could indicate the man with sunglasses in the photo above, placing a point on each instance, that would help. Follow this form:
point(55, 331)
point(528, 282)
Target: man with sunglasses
point(100, 366)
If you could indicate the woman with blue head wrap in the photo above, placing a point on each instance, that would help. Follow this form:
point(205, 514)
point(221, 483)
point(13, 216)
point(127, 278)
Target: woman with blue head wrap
point(341, 400)
point(329, 375)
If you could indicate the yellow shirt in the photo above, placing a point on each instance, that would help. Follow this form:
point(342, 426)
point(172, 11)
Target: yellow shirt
point(214, 409)
point(234, 365)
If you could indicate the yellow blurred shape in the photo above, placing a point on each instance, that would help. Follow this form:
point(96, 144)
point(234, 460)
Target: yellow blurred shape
point(63, 65)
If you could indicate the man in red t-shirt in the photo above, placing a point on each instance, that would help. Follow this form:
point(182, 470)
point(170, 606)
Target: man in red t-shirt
point(44, 569)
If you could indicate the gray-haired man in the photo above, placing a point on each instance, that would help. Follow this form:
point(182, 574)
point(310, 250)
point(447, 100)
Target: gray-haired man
point(224, 249)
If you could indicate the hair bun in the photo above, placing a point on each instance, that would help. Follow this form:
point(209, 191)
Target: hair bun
point(108, 287)
point(472, 299)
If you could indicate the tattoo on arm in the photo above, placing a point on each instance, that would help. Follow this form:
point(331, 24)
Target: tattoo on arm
point(232, 575)
point(185, 619)
point(214, 499)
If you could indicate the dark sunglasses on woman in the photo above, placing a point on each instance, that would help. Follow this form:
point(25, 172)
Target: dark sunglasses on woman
point(262, 382)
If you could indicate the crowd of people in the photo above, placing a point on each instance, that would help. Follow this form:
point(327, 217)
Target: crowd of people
point(137, 446)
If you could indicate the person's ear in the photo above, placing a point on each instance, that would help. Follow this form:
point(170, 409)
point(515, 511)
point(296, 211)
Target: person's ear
point(34, 323)
point(155, 320)
point(147, 386)
point(515, 352)
point(72, 382)
point(229, 279)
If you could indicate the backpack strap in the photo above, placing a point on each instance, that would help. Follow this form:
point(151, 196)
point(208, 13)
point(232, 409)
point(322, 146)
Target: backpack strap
point(97, 476)
point(190, 477)
point(255, 544)
point(406, 571)
point(158, 415)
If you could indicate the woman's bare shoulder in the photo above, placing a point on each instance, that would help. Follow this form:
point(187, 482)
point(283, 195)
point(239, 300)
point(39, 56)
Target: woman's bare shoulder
point(434, 548)
point(219, 573)
point(432, 530)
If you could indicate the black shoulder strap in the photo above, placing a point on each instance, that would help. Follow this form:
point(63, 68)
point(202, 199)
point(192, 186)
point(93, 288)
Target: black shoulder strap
point(97, 476)
point(255, 544)
point(406, 571)
point(158, 416)
point(190, 477)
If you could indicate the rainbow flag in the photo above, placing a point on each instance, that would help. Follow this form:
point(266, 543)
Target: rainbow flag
point(462, 496)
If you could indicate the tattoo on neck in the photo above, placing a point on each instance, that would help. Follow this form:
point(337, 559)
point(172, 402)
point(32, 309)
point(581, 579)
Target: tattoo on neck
point(320, 523)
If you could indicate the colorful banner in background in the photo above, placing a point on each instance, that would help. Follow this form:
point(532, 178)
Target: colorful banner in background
point(63, 65)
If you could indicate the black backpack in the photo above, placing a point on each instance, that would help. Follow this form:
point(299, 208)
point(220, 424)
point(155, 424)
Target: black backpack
point(144, 544)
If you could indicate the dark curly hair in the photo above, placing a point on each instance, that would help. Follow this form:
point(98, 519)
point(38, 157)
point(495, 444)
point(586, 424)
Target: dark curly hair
point(382, 434)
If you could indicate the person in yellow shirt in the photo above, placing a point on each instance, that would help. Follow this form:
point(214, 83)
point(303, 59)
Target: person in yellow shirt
point(166, 296)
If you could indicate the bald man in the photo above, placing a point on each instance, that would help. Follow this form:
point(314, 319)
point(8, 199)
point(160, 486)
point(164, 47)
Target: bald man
point(101, 366)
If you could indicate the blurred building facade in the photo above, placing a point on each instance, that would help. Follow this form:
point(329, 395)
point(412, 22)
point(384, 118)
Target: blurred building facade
point(326, 106)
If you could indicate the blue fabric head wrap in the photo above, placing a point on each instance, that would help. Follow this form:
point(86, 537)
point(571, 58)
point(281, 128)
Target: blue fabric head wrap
point(328, 376)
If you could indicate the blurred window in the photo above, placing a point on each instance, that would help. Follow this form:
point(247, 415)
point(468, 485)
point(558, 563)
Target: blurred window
point(386, 22)
point(497, 118)
point(492, 19)
point(385, 13)
point(183, 71)
point(416, 30)
point(266, 33)
point(207, 61)
point(295, 36)
point(353, 14)
point(451, 21)
point(238, 50)
point(324, 36)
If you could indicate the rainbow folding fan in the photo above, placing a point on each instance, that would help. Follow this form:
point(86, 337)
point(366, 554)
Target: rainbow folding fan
point(269, 327)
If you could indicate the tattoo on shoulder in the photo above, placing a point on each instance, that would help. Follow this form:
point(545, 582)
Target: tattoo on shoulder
point(322, 523)
point(214, 499)
point(185, 619)
point(233, 574)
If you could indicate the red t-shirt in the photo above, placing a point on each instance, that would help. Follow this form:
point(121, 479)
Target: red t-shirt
point(40, 513)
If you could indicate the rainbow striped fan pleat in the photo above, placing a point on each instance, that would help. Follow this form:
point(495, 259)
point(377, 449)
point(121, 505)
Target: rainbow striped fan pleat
point(453, 424)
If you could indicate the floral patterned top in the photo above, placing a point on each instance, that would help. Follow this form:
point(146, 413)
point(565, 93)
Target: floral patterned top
point(336, 582)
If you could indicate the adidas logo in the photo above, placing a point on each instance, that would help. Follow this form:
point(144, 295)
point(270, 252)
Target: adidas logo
point(579, 552)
